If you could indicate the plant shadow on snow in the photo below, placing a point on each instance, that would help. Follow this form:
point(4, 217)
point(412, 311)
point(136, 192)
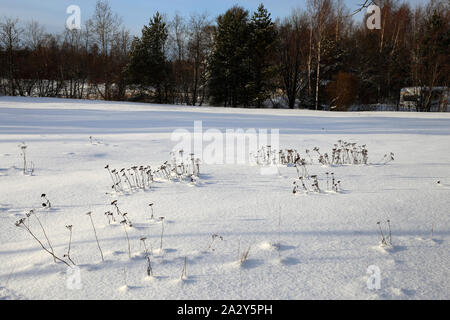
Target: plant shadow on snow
point(158, 278)
point(290, 261)
point(188, 280)
point(97, 266)
point(8, 294)
point(400, 248)
point(392, 292)
point(327, 233)
point(284, 247)
point(4, 207)
point(252, 263)
point(390, 249)
point(17, 211)
point(195, 259)
point(201, 184)
point(411, 177)
point(128, 288)
point(250, 219)
point(138, 226)
point(205, 176)
point(431, 241)
point(11, 170)
point(329, 259)
point(409, 292)
point(37, 270)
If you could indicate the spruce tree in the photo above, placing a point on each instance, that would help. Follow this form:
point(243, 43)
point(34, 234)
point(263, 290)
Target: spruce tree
point(263, 37)
point(148, 65)
point(229, 65)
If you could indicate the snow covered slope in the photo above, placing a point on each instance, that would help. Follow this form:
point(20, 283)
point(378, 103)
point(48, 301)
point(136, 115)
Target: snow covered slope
point(327, 240)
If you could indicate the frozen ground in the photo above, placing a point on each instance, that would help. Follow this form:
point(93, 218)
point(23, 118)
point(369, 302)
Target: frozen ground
point(328, 240)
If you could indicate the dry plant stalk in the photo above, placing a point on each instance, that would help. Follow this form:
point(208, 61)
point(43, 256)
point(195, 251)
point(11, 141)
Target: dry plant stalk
point(95, 233)
point(45, 234)
point(183, 271)
point(124, 223)
point(21, 223)
point(244, 255)
point(147, 257)
point(162, 232)
point(69, 227)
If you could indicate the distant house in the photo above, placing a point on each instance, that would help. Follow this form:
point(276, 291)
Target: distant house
point(414, 98)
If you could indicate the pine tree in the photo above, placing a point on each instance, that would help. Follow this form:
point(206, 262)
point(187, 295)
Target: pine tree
point(148, 65)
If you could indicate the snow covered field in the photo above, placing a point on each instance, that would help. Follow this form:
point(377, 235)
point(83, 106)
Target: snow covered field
point(327, 240)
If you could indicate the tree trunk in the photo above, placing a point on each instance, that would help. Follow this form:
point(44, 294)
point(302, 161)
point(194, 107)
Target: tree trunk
point(318, 74)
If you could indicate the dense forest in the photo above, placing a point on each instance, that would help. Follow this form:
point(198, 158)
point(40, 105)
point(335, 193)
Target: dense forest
point(315, 58)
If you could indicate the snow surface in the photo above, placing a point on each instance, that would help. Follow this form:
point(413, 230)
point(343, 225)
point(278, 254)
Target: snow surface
point(327, 240)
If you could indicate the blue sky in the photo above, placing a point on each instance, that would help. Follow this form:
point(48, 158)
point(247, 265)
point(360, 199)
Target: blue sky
point(136, 13)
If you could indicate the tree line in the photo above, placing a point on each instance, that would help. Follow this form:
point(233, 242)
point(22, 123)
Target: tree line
point(315, 58)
